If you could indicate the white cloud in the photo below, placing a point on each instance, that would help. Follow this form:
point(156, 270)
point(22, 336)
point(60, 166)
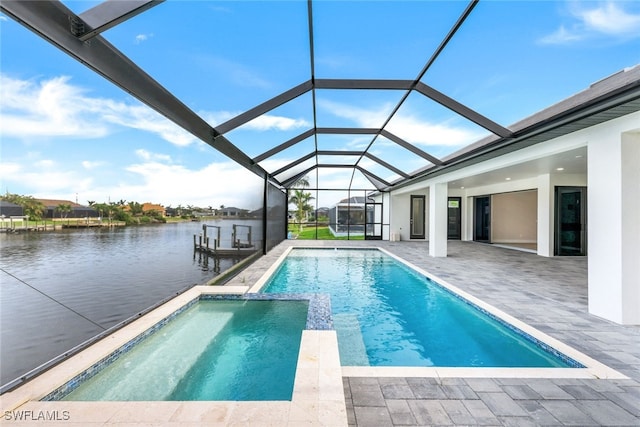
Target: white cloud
point(88, 164)
point(605, 19)
point(267, 122)
point(42, 179)
point(45, 164)
point(209, 186)
point(261, 123)
point(611, 19)
point(364, 117)
point(421, 132)
point(142, 37)
point(561, 36)
point(149, 156)
point(9, 170)
point(150, 180)
point(47, 108)
point(56, 108)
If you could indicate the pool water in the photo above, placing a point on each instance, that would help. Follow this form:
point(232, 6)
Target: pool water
point(387, 314)
point(214, 350)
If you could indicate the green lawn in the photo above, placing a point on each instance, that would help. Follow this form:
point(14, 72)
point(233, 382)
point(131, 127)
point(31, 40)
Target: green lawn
point(309, 233)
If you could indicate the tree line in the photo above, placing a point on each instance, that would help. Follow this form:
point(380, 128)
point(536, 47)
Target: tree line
point(129, 212)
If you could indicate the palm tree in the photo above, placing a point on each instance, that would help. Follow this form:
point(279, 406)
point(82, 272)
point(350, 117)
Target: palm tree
point(135, 208)
point(101, 208)
point(301, 200)
point(301, 182)
point(63, 208)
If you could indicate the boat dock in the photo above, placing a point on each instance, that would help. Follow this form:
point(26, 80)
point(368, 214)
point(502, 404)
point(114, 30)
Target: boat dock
point(239, 246)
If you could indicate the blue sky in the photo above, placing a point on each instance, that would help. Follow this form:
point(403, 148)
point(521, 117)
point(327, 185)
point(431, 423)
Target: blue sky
point(67, 133)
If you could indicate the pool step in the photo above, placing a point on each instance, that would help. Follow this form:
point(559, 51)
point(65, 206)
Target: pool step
point(152, 369)
point(350, 343)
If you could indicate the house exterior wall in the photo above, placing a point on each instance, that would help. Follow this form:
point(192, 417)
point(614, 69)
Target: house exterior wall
point(400, 213)
point(612, 178)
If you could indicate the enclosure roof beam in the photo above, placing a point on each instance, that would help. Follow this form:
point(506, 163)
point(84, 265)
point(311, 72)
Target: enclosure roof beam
point(401, 142)
point(366, 154)
point(107, 15)
point(463, 110)
point(370, 175)
point(284, 146)
point(339, 153)
point(265, 107)
point(363, 84)
point(295, 163)
point(348, 131)
point(386, 165)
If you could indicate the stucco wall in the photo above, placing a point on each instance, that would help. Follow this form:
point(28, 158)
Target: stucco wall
point(401, 214)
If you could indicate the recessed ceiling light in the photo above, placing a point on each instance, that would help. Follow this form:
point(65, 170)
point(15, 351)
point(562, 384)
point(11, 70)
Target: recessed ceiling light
point(508, 179)
point(559, 169)
point(578, 156)
point(462, 188)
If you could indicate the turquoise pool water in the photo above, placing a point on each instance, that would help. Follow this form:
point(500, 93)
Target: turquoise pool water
point(214, 350)
point(387, 314)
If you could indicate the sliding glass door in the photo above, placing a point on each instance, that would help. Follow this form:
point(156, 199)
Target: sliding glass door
point(571, 221)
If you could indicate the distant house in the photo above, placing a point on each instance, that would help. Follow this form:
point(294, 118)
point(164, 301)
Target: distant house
point(77, 210)
point(322, 212)
point(10, 209)
point(347, 216)
point(149, 207)
point(256, 213)
point(11, 215)
point(232, 212)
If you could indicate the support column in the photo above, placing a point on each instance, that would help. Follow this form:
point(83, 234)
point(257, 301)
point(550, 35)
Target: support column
point(546, 210)
point(438, 219)
point(614, 228)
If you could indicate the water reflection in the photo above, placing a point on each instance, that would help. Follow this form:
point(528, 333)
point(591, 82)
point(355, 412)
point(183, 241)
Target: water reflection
point(106, 275)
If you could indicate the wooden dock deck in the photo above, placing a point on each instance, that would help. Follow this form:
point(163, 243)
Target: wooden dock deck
point(239, 248)
point(226, 252)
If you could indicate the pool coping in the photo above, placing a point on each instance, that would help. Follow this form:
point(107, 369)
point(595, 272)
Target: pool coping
point(593, 369)
point(318, 394)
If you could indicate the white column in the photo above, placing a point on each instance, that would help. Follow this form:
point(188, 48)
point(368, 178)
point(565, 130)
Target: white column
point(438, 220)
point(546, 194)
point(614, 226)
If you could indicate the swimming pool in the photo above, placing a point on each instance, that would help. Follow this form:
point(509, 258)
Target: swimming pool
point(209, 350)
point(387, 314)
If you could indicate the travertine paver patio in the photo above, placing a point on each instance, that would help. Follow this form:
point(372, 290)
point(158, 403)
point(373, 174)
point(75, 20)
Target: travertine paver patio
point(549, 294)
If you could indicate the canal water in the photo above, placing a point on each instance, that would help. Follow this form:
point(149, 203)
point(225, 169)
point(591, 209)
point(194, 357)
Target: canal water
point(99, 278)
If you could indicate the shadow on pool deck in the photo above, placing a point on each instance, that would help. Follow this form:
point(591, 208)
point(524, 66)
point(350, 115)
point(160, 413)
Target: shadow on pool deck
point(549, 294)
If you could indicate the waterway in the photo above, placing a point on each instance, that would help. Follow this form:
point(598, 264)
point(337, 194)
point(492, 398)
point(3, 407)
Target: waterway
point(98, 279)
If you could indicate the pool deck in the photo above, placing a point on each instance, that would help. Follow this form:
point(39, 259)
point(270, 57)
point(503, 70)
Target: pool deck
point(549, 294)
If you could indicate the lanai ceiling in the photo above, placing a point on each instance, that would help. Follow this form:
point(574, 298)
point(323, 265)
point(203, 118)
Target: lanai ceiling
point(353, 95)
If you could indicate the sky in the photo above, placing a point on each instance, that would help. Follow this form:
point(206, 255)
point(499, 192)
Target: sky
point(67, 133)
